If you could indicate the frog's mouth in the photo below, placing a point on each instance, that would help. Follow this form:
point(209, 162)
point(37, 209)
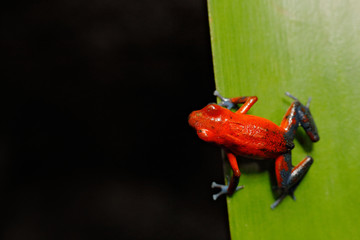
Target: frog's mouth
point(202, 132)
point(205, 134)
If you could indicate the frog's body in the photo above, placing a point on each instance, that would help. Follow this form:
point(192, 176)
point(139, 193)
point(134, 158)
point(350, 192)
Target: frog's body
point(256, 138)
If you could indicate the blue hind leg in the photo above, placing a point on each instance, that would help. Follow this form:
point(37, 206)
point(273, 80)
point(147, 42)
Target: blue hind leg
point(299, 115)
point(288, 177)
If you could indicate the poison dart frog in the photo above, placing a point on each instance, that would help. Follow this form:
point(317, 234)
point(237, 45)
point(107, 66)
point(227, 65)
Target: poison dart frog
point(255, 137)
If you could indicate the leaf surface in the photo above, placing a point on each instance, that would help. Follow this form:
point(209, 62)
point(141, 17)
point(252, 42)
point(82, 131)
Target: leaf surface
point(310, 49)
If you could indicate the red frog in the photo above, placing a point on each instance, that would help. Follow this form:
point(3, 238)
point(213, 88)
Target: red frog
point(255, 137)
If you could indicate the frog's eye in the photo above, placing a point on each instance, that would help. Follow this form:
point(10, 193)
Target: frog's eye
point(212, 110)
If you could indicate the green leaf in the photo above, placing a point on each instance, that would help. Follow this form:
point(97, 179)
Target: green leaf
point(310, 48)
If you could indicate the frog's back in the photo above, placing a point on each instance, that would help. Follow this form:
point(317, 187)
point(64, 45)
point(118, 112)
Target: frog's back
point(254, 137)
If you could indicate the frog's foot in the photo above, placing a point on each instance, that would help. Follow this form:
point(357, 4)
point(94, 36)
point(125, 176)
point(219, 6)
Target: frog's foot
point(225, 102)
point(223, 189)
point(278, 201)
point(291, 96)
point(292, 195)
point(299, 115)
point(289, 178)
point(282, 196)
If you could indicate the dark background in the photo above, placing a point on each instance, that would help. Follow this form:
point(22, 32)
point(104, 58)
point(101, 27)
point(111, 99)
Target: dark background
point(94, 139)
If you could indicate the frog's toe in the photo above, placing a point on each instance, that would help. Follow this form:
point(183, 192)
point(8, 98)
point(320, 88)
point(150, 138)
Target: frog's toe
point(278, 201)
point(217, 94)
point(292, 196)
point(223, 189)
point(228, 104)
point(282, 196)
point(291, 96)
point(225, 102)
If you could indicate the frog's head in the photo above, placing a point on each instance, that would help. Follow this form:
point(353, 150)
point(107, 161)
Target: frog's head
point(207, 122)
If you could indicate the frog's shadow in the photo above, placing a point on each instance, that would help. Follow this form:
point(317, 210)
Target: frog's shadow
point(302, 138)
point(251, 166)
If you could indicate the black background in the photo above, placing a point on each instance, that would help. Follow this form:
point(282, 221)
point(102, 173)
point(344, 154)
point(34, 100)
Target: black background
point(94, 139)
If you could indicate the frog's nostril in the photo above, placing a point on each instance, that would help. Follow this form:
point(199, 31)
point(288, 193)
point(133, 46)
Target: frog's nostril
point(194, 118)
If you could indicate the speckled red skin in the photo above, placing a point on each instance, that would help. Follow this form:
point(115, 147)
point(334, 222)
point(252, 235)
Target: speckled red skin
point(256, 138)
point(244, 135)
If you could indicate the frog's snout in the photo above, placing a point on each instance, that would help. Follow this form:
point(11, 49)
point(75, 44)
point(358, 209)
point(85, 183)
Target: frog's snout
point(193, 118)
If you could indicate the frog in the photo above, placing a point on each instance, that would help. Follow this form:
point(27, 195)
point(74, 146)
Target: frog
point(242, 135)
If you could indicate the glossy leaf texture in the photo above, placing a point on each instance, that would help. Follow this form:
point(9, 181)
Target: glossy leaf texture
point(310, 49)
